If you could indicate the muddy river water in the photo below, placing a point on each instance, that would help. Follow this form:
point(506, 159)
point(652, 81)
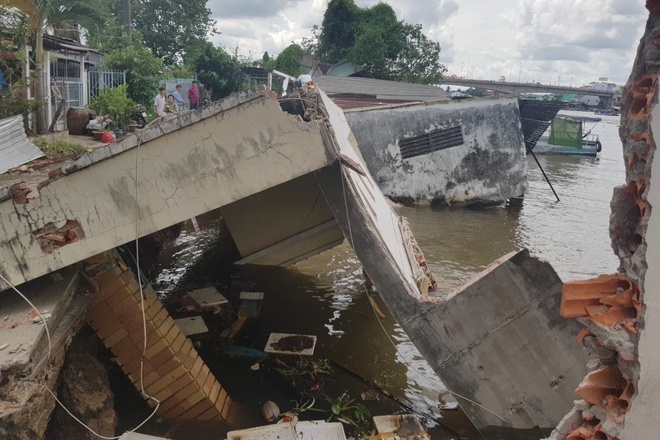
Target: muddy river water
point(324, 295)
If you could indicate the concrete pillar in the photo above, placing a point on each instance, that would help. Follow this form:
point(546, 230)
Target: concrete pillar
point(173, 371)
point(47, 87)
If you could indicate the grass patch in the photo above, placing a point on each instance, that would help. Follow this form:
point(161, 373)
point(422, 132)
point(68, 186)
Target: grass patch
point(59, 148)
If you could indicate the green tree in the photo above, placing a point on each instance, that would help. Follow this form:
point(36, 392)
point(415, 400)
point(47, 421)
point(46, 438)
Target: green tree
point(170, 27)
point(13, 93)
point(375, 39)
point(370, 52)
point(419, 59)
point(339, 26)
point(288, 61)
point(143, 70)
point(475, 92)
point(217, 70)
point(267, 63)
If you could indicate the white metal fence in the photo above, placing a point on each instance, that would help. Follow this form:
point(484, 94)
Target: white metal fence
point(102, 79)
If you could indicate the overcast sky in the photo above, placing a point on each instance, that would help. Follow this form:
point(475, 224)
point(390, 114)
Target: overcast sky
point(550, 41)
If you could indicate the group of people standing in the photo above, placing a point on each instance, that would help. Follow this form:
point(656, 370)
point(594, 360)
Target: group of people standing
point(174, 102)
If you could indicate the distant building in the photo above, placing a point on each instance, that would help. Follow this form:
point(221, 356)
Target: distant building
point(602, 86)
point(590, 100)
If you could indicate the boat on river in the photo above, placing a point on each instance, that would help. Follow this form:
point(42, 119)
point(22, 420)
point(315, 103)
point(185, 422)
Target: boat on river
point(567, 136)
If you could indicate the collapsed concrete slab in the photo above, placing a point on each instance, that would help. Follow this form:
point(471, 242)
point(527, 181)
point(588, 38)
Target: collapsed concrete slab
point(499, 342)
point(288, 186)
point(29, 363)
point(186, 166)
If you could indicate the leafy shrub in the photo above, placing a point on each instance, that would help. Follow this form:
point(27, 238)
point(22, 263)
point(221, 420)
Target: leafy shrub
point(13, 101)
point(115, 103)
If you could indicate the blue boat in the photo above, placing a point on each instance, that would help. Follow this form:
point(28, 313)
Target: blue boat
point(566, 137)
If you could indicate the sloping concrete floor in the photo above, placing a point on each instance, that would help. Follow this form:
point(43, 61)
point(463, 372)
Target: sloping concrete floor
point(21, 329)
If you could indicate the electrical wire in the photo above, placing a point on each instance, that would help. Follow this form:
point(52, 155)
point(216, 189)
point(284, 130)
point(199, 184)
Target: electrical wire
point(144, 318)
point(139, 274)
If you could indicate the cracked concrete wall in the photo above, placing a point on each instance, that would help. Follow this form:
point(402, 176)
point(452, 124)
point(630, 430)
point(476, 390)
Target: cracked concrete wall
point(490, 165)
point(188, 165)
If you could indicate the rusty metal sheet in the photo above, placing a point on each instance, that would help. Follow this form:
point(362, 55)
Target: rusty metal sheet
point(15, 147)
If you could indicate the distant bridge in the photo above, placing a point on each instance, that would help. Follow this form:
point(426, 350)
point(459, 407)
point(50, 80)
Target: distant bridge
point(516, 88)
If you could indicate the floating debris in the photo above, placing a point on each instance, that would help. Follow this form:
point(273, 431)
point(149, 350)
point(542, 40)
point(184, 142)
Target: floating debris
point(370, 394)
point(207, 299)
point(193, 325)
point(270, 411)
point(403, 427)
point(284, 343)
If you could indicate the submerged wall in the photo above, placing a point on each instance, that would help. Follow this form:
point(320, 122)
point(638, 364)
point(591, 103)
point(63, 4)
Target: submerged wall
point(490, 163)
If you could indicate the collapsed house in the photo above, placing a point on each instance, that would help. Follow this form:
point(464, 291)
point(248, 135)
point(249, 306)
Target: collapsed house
point(288, 185)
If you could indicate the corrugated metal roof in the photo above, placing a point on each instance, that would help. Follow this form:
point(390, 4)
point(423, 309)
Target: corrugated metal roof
point(381, 89)
point(343, 69)
point(15, 147)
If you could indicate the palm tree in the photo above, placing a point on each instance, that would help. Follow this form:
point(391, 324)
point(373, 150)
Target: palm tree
point(42, 16)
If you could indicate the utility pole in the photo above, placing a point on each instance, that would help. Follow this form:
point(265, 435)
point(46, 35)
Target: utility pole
point(559, 80)
point(126, 15)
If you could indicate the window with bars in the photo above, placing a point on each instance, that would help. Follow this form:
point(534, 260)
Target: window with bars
point(435, 140)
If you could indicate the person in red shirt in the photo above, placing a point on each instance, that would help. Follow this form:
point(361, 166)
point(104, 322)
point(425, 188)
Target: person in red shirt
point(193, 96)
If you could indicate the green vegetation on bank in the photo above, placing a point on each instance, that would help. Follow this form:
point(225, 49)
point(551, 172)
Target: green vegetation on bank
point(373, 39)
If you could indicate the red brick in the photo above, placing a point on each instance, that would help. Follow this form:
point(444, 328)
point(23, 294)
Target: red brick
point(226, 408)
point(178, 342)
point(211, 414)
point(199, 408)
point(189, 361)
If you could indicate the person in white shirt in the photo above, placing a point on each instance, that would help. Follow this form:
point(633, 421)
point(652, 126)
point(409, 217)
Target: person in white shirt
point(159, 103)
point(178, 100)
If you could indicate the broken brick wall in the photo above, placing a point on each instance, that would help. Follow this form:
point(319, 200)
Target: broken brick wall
point(619, 311)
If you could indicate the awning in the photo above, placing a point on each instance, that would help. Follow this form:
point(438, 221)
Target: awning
point(15, 147)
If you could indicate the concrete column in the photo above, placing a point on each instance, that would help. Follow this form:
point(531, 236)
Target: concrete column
point(46, 82)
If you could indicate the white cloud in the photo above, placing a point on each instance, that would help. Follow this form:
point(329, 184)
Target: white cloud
point(540, 40)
